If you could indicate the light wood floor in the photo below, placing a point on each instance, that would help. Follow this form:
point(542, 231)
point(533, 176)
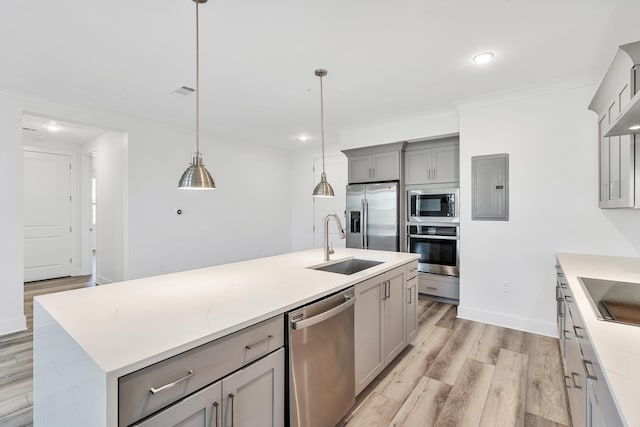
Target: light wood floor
point(462, 373)
point(16, 355)
point(455, 373)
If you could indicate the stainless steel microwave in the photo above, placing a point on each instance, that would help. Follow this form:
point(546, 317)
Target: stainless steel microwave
point(429, 205)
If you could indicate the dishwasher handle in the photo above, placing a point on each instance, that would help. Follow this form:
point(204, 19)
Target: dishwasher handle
point(301, 324)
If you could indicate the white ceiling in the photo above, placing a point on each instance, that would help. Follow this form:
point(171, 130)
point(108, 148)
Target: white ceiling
point(385, 59)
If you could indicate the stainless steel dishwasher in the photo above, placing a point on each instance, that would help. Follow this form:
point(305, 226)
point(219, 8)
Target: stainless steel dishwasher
point(321, 361)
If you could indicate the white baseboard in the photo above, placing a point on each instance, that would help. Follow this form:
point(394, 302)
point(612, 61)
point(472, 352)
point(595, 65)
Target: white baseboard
point(509, 321)
point(14, 324)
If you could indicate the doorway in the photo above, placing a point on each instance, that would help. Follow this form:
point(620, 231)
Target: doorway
point(60, 200)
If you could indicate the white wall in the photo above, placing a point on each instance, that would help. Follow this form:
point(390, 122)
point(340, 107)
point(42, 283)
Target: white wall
point(248, 215)
point(11, 223)
point(111, 212)
point(551, 139)
point(418, 126)
point(304, 206)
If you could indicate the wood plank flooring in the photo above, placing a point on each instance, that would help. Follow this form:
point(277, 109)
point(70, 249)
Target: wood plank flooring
point(455, 373)
point(16, 355)
point(462, 373)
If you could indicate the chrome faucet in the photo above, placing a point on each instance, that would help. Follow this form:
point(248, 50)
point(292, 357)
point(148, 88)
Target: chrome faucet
point(328, 251)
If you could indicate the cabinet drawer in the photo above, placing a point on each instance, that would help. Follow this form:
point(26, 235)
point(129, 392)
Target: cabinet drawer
point(412, 269)
point(145, 391)
point(440, 289)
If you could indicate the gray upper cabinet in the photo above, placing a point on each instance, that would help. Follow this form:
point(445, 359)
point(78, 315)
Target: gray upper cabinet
point(432, 162)
point(617, 103)
point(490, 187)
point(374, 167)
point(376, 163)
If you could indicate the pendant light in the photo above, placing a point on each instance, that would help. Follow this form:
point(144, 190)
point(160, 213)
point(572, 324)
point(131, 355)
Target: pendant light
point(197, 177)
point(323, 189)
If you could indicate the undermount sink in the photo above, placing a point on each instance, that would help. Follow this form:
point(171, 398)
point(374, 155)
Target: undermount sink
point(349, 266)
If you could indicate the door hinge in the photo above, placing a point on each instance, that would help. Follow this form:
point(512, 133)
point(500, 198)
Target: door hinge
point(70, 229)
point(314, 228)
point(69, 198)
point(70, 260)
point(69, 166)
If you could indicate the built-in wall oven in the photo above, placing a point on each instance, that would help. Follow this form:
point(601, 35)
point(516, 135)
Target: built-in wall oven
point(438, 246)
point(430, 205)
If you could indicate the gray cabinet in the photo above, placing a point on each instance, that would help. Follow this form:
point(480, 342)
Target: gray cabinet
point(177, 378)
point(254, 396)
point(590, 401)
point(380, 319)
point(375, 163)
point(617, 104)
point(202, 409)
point(490, 187)
point(617, 168)
point(412, 301)
point(251, 397)
point(434, 165)
point(374, 167)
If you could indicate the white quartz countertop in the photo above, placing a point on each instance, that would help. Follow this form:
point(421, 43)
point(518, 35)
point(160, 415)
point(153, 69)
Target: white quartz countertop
point(617, 346)
point(129, 325)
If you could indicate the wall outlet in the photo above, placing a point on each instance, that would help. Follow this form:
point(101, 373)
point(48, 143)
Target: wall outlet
point(505, 288)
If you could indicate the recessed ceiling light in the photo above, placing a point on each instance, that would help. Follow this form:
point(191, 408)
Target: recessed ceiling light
point(303, 138)
point(483, 58)
point(636, 127)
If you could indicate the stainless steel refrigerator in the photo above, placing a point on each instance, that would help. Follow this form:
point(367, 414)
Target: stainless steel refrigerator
point(373, 216)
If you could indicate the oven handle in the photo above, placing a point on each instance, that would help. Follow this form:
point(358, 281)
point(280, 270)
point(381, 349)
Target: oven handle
point(433, 236)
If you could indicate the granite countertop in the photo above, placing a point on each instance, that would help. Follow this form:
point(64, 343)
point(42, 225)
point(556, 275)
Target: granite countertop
point(129, 325)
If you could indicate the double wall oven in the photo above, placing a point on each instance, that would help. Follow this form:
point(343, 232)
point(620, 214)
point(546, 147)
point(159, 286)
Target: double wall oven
point(433, 230)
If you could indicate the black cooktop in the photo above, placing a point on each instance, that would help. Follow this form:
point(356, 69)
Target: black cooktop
point(614, 301)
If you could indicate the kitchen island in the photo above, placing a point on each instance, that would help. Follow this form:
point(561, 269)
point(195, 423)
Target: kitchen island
point(85, 340)
point(616, 345)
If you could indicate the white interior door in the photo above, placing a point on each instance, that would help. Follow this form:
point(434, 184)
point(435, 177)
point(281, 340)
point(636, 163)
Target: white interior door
point(336, 170)
point(47, 215)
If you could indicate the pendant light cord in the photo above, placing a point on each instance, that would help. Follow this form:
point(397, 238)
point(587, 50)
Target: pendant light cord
point(197, 81)
point(322, 122)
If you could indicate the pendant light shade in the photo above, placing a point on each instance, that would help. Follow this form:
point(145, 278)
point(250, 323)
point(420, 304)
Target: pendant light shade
point(323, 189)
point(197, 177)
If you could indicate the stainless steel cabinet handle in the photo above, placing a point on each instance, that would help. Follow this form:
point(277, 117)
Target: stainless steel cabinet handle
point(409, 290)
point(233, 415)
point(250, 346)
point(301, 324)
point(154, 390)
point(586, 363)
point(432, 288)
point(573, 380)
point(568, 298)
point(566, 384)
point(575, 331)
point(217, 415)
point(565, 332)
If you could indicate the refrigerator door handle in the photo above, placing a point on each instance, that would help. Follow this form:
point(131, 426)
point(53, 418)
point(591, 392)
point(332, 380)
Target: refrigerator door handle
point(366, 224)
point(363, 223)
